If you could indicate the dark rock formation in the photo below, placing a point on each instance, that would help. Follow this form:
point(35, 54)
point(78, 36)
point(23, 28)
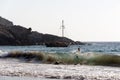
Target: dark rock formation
point(36, 38)
point(17, 35)
point(78, 43)
point(56, 38)
point(56, 44)
point(5, 22)
point(55, 41)
point(20, 33)
point(6, 38)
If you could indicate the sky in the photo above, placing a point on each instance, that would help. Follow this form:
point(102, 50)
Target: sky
point(84, 20)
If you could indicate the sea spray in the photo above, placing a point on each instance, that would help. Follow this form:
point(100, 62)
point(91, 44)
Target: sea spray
point(3, 53)
point(65, 58)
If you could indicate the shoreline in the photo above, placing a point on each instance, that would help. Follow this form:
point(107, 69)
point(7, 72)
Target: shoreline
point(23, 78)
point(78, 72)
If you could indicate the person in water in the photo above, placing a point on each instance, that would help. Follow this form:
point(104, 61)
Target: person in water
point(77, 52)
point(77, 56)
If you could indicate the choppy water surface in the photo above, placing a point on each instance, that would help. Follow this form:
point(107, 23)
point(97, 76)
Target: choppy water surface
point(9, 67)
point(101, 47)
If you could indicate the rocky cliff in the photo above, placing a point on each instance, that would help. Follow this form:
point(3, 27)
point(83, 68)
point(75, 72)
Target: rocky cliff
point(5, 22)
point(6, 38)
point(17, 35)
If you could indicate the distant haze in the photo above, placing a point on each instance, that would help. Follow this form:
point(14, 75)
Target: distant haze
point(85, 20)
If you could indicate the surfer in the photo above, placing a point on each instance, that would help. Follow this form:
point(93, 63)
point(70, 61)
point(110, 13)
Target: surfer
point(77, 56)
point(77, 52)
point(78, 49)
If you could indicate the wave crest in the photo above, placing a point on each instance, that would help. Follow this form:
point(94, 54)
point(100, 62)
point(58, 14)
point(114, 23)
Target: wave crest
point(65, 58)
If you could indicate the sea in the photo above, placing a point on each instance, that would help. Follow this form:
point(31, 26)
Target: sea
point(96, 47)
point(112, 48)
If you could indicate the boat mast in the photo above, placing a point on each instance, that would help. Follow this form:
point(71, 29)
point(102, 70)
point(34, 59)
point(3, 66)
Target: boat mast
point(63, 27)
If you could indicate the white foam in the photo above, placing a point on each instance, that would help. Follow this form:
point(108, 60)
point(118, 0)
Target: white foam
point(3, 53)
point(11, 68)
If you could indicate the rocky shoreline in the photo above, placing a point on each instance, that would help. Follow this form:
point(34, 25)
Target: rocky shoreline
point(12, 67)
point(11, 34)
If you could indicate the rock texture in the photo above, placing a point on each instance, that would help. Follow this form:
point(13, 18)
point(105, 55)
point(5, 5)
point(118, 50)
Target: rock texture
point(17, 35)
point(20, 33)
point(5, 22)
point(36, 38)
point(6, 38)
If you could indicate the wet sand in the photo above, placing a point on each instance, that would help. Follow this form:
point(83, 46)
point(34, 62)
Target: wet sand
point(12, 68)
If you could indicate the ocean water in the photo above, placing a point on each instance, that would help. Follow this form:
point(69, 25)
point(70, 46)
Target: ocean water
point(97, 47)
point(92, 47)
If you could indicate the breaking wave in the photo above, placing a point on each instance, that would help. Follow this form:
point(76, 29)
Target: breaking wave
point(3, 53)
point(63, 58)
